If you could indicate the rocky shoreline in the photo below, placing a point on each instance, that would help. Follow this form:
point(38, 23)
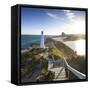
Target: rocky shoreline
point(33, 55)
point(52, 43)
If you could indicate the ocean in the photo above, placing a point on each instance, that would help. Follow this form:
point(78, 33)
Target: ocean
point(77, 45)
point(27, 40)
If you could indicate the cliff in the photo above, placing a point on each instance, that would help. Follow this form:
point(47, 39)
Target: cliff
point(51, 43)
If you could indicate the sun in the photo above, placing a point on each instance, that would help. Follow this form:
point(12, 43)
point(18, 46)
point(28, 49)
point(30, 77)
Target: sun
point(77, 27)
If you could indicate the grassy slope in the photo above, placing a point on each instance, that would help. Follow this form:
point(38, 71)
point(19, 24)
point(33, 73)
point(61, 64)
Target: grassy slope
point(76, 61)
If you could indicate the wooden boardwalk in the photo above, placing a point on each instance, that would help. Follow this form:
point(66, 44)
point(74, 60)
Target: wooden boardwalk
point(59, 73)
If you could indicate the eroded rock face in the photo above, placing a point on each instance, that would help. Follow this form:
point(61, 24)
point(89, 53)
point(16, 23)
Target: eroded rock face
point(36, 66)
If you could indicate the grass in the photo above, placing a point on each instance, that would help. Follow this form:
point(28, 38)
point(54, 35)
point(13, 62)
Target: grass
point(78, 63)
point(56, 52)
point(30, 59)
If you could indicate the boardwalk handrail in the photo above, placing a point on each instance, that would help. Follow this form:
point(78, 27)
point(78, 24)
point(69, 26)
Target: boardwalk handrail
point(74, 71)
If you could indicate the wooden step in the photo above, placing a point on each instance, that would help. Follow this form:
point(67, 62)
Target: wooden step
point(59, 73)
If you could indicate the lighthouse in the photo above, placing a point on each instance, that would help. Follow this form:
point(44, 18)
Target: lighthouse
point(42, 40)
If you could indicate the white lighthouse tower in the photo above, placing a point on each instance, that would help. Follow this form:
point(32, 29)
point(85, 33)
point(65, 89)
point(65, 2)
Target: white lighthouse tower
point(42, 40)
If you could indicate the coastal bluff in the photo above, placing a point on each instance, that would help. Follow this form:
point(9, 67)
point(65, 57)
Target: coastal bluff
point(67, 51)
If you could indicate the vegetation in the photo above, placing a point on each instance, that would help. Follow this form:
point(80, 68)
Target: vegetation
point(56, 52)
point(32, 59)
point(50, 76)
point(73, 37)
point(78, 63)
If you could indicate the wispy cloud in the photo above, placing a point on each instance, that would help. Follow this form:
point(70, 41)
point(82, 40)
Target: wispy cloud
point(70, 15)
point(52, 15)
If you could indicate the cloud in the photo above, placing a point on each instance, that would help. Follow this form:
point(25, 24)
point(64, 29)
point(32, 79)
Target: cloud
point(55, 16)
point(70, 15)
point(52, 15)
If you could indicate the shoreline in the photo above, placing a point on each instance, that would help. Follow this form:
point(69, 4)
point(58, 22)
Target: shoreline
point(52, 42)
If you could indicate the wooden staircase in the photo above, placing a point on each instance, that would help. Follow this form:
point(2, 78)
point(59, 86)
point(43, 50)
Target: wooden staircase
point(59, 73)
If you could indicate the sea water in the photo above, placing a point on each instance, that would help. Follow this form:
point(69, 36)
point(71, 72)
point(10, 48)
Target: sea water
point(77, 45)
point(27, 40)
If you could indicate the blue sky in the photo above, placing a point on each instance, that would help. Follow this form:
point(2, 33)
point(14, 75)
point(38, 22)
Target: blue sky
point(51, 21)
